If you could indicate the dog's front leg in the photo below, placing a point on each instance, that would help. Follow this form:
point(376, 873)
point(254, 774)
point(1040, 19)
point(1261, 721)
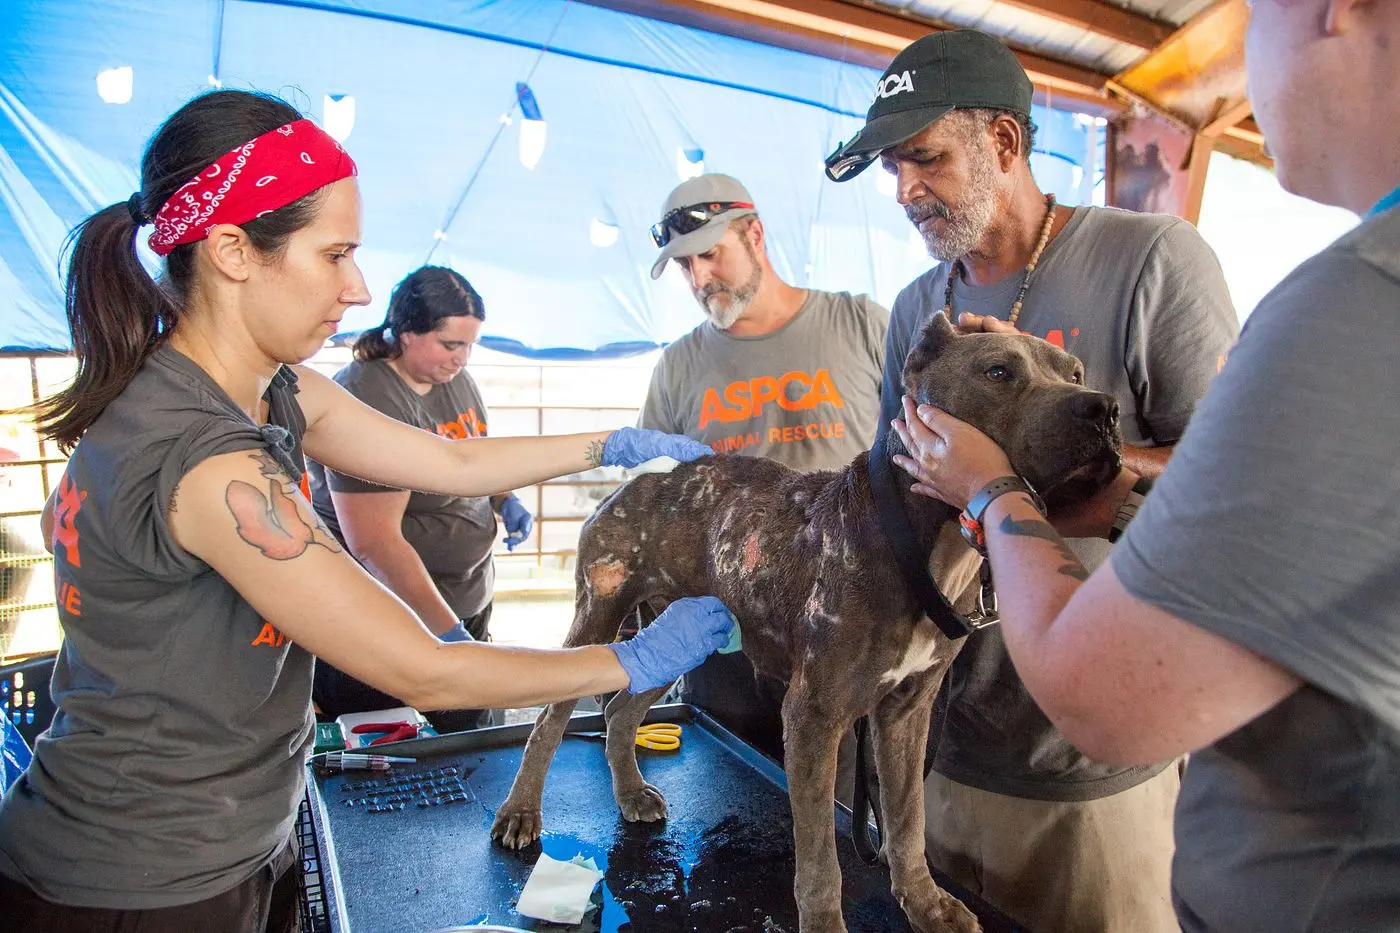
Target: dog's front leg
point(811, 735)
point(900, 734)
point(520, 820)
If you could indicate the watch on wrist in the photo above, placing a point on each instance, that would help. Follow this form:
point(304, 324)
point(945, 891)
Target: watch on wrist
point(1129, 509)
point(970, 521)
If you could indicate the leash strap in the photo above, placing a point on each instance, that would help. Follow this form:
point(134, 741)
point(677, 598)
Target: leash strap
point(867, 849)
point(912, 562)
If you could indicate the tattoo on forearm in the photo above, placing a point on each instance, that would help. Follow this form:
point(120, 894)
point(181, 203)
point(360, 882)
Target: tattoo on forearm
point(595, 453)
point(1035, 528)
point(273, 522)
point(174, 495)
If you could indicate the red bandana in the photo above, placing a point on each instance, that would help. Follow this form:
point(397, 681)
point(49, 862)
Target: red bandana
point(255, 179)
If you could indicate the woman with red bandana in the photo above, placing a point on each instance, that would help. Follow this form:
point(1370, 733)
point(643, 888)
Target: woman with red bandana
point(196, 583)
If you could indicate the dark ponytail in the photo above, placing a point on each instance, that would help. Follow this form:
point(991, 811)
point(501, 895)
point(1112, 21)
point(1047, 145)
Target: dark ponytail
point(418, 305)
point(116, 312)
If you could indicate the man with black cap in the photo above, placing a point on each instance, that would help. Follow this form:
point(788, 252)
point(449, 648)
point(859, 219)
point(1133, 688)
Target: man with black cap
point(776, 371)
point(1016, 813)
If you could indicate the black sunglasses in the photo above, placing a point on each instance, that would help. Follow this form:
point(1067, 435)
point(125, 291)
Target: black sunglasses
point(688, 219)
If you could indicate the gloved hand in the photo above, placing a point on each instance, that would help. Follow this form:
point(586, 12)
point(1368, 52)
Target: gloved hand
point(629, 447)
point(457, 633)
point(680, 638)
point(518, 521)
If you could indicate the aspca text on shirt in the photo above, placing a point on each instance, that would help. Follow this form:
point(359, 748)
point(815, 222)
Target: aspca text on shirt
point(767, 411)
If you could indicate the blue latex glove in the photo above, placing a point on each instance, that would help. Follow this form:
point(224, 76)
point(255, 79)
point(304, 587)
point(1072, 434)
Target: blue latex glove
point(629, 447)
point(518, 521)
point(688, 632)
point(457, 633)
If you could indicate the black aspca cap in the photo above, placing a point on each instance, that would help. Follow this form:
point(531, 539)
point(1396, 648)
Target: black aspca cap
point(934, 75)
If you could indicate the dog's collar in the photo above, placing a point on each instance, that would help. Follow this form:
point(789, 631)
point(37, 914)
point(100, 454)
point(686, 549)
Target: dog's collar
point(911, 559)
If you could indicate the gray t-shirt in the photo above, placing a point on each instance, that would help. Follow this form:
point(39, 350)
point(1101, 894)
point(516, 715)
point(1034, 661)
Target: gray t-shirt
point(1277, 527)
point(806, 395)
point(453, 536)
point(1141, 300)
point(174, 766)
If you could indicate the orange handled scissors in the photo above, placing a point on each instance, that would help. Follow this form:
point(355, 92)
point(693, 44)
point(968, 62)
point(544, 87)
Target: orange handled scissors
point(658, 736)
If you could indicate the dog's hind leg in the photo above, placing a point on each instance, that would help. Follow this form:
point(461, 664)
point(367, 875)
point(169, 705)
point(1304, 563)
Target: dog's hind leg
point(811, 735)
point(520, 819)
point(900, 734)
point(638, 800)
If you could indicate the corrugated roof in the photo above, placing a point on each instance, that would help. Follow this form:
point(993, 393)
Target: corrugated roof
point(1176, 12)
point(1045, 35)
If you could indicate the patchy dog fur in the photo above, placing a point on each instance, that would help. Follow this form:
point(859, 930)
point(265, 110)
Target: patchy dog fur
point(801, 561)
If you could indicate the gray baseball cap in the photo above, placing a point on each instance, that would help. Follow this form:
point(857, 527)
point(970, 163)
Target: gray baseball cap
point(932, 77)
point(695, 216)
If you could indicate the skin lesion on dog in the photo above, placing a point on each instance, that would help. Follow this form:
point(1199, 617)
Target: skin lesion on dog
point(1035, 528)
point(607, 576)
point(272, 521)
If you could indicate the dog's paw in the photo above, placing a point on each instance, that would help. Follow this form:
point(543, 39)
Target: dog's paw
point(954, 917)
point(937, 911)
point(516, 829)
point(645, 804)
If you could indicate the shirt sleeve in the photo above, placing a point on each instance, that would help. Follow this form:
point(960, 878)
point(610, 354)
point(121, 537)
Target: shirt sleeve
point(1180, 328)
point(877, 325)
point(657, 412)
point(904, 321)
point(1276, 524)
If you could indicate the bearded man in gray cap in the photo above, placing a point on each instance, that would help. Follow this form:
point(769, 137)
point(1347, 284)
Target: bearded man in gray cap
point(1016, 813)
point(776, 371)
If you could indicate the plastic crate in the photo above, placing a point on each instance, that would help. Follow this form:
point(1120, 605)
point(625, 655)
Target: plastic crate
point(313, 909)
point(24, 695)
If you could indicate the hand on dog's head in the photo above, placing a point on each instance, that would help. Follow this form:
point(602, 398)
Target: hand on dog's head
point(1029, 397)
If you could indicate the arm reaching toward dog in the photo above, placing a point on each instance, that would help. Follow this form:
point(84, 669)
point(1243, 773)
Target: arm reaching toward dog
point(243, 515)
point(348, 436)
point(1162, 686)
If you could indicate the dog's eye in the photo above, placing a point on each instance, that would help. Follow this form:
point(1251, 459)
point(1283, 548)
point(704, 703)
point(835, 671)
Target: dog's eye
point(998, 373)
point(1077, 379)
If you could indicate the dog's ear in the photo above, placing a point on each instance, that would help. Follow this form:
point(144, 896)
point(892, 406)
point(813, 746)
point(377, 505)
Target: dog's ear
point(936, 334)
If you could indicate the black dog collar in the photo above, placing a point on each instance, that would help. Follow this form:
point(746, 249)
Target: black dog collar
point(912, 562)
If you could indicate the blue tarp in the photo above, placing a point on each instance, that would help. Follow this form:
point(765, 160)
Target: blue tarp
point(559, 251)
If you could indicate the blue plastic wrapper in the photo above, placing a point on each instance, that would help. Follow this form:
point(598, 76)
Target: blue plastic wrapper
point(14, 756)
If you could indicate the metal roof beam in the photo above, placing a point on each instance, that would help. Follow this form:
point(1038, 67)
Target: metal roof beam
point(1102, 19)
point(858, 34)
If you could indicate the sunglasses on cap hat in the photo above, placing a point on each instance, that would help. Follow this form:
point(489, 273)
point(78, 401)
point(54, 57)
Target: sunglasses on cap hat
point(688, 219)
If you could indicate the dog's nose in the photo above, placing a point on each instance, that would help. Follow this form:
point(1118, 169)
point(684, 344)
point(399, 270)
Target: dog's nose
point(1097, 408)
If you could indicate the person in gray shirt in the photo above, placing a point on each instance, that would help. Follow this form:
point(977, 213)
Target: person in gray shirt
point(1251, 613)
point(433, 551)
point(1053, 838)
point(194, 580)
point(775, 371)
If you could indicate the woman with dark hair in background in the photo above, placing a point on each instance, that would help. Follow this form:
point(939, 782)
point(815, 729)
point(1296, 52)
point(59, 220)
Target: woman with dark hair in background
point(433, 551)
point(195, 580)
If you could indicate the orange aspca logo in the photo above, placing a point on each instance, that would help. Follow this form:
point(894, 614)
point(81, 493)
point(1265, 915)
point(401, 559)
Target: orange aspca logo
point(468, 424)
point(270, 636)
point(65, 513)
point(792, 391)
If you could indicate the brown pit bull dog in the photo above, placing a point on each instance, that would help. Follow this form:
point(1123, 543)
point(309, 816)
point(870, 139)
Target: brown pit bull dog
point(801, 561)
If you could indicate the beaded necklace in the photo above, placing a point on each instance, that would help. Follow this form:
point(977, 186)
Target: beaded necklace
point(1025, 282)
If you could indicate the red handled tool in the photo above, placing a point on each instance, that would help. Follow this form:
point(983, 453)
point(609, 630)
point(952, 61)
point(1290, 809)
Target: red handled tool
point(393, 731)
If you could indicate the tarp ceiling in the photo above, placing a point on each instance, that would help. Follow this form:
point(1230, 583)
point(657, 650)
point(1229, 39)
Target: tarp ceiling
point(560, 250)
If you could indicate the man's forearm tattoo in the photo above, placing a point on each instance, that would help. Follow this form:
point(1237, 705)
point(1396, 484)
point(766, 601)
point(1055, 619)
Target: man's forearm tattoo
point(594, 454)
point(1036, 528)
